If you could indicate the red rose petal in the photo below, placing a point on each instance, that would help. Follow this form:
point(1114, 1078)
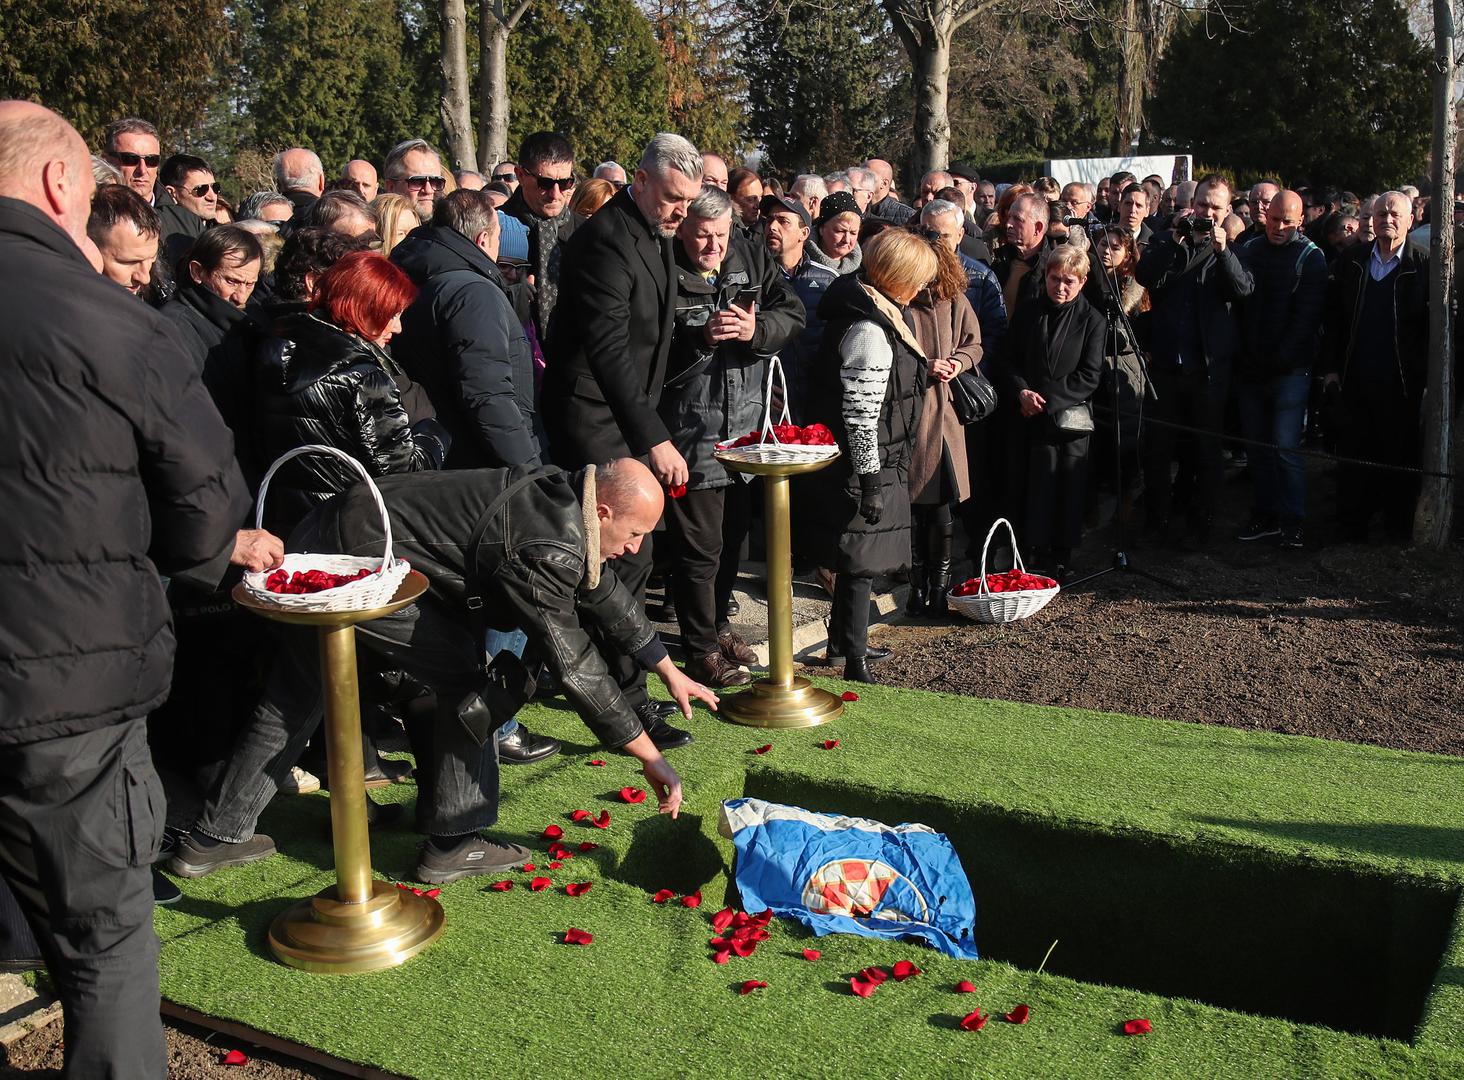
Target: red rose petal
point(744, 946)
point(555, 865)
point(849, 695)
point(559, 851)
point(723, 919)
point(632, 795)
point(603, 821)
point(811, 955)
point(965, 986)
point(529, 868)
point(501, 886)
point(431, 894)
point(573, 936)
point(722, 956)
point(596, 761)
point(234, 1057)
point(580, 815)
point(676, 490)
point(720, 943)
point(553, 832)
point(762, 918)
point(1018, 1015)
point(740, 919)
point(578, 888)
point(694, 900)
point(874, 975)
point(762, 749)
point(1137, 1026)
point(904, 970)
point(973, 1021)
point(829, 744)
point(861, 986)
point(750, 985)
point(662, 895)
point(587, 846)
point(539, 884)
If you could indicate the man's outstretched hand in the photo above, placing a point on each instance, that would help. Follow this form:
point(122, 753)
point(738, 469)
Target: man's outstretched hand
point(257, 549)
point(683, 689)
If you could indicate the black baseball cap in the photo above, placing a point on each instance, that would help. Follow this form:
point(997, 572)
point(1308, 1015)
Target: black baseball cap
point(773, 204)
point(965, 170)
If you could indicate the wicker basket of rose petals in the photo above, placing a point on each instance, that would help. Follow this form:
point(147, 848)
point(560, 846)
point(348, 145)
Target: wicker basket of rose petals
point(1002, 598)
point(316, 582)
point(782, 443)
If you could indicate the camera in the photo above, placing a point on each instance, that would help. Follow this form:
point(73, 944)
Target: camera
point(1189, 226)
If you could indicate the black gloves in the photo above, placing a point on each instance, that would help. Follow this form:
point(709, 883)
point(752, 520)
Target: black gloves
point(871, 502)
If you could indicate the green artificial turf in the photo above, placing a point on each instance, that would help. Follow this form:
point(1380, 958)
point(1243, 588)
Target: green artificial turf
point(1181, 867)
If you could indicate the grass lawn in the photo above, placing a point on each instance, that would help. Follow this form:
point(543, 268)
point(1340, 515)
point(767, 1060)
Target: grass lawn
point(1276, 906)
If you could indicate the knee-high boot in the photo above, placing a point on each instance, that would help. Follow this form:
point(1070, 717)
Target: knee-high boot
point(939, 581)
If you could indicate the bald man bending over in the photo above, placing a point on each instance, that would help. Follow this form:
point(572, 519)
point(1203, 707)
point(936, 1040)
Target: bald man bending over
point(114, 465)
point(503, 548)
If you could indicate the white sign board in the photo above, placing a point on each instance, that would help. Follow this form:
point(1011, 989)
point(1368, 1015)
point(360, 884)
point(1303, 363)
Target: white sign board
point(1173, 167)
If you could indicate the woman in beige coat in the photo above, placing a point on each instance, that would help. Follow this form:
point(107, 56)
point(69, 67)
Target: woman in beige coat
point(948, 333)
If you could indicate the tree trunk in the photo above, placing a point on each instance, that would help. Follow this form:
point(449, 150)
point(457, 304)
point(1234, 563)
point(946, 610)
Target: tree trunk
point(457, 111)
point(931, 58)
point(492, 85)
point(1133, 81)
point(1433, 522)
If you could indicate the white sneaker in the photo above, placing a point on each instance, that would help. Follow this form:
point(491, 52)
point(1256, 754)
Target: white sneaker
point(300, 782)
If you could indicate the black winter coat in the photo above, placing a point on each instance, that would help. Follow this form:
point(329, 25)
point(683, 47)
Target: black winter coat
point(517, 208)
point(1191, 289)
point(316, 383)
point(1054, 351)
point(180, 228)
point(1345, 294)
point(534, 564)
point(715, 393)
point(114, 465)
point(829, 528)
point(609, 339)
point(217, 335)
point(463, 343)
point(1281, 321)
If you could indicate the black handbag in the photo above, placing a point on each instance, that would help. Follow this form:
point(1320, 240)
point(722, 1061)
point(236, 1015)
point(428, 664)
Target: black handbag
point(972, 396)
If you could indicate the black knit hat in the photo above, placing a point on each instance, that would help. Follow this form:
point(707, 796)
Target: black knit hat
point(840, 202)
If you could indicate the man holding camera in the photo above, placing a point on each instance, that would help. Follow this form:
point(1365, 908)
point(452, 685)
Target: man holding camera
point(734, 309)
point(1193, 276)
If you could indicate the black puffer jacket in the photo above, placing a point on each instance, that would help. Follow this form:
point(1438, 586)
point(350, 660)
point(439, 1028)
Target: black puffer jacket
point(537, 565)
point(219, 337)
point(463, 343)
point(316, 383)
point(114, 465)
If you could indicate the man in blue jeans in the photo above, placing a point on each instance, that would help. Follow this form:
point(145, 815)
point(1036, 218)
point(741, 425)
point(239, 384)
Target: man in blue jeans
point(1280, 324)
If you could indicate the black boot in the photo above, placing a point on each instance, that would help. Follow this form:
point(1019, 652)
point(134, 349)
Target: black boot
point(856, 669)
point(915, 604)
point(940, 569)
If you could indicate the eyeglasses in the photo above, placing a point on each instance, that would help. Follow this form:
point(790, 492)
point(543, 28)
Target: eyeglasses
point(505, 176)
point(436, 183)
point(547, 183)
point(130, 160)
point(198, 191)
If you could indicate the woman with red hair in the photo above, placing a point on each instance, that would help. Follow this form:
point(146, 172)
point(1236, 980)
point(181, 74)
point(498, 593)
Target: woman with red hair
point(326, 377)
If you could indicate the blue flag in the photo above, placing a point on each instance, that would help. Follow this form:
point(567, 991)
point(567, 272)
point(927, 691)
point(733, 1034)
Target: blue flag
point(851, 875)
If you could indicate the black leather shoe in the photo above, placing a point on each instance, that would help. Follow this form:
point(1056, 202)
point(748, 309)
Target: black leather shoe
point(475, 855)
point(164, 891)
point(523, 747)
point(856, 669)
point(872, 654)
point(734, 608)
point(193, 860)
point(662, 734)
point(666, 708)
point(380, 815)
point(383, 772)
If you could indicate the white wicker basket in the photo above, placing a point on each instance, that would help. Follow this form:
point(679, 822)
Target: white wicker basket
point(369, 592)
point(989, 607)
point(770, 451)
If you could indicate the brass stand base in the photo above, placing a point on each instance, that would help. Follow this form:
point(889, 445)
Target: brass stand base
point(329, 937)
point(797, 704)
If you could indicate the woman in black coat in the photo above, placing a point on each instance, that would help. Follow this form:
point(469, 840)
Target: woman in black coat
point(325, 377)
point(1054, 357)
point(866, 386)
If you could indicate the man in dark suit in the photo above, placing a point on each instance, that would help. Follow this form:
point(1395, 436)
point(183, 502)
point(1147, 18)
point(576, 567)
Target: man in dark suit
point(608, 344)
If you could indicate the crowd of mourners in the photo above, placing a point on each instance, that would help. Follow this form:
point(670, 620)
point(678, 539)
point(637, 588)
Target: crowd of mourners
point(537, 368)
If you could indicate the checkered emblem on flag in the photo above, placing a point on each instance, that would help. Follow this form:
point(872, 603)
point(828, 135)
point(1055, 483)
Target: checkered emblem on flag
point(852, 887)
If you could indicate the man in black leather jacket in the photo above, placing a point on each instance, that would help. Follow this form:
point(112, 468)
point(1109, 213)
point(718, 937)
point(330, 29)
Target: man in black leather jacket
point(502, 547)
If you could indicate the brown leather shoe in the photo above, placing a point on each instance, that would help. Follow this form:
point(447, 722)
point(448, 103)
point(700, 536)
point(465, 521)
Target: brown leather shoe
point(717, 671)
point(735, 649)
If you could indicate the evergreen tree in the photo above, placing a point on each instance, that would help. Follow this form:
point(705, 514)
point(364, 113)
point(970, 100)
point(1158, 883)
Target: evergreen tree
point(706, 92)
point(1334, 91)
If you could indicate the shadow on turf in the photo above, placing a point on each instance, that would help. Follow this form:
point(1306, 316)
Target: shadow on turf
point(1400, 841)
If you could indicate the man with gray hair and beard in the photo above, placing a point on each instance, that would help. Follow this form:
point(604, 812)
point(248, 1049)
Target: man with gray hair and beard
point(607, 351)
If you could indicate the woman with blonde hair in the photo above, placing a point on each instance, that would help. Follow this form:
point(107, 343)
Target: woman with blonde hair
point(950, 337)
point(866, 386)
point(396, 216)
point(591, 195)
point(1054, 357)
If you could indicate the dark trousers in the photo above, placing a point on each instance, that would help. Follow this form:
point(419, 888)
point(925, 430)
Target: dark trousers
point(849, 619)
point(457, 779)
point(1196, 399)
point(633, 571)
point(81, 818)
point(736, 524)
point(1382, 426)
point(694, 527)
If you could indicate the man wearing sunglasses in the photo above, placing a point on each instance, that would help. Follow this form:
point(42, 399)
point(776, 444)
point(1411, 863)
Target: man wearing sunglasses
point(506, 173)
point(186, 203)
point(541, 202)
point(131, 147)
point(414, 170)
